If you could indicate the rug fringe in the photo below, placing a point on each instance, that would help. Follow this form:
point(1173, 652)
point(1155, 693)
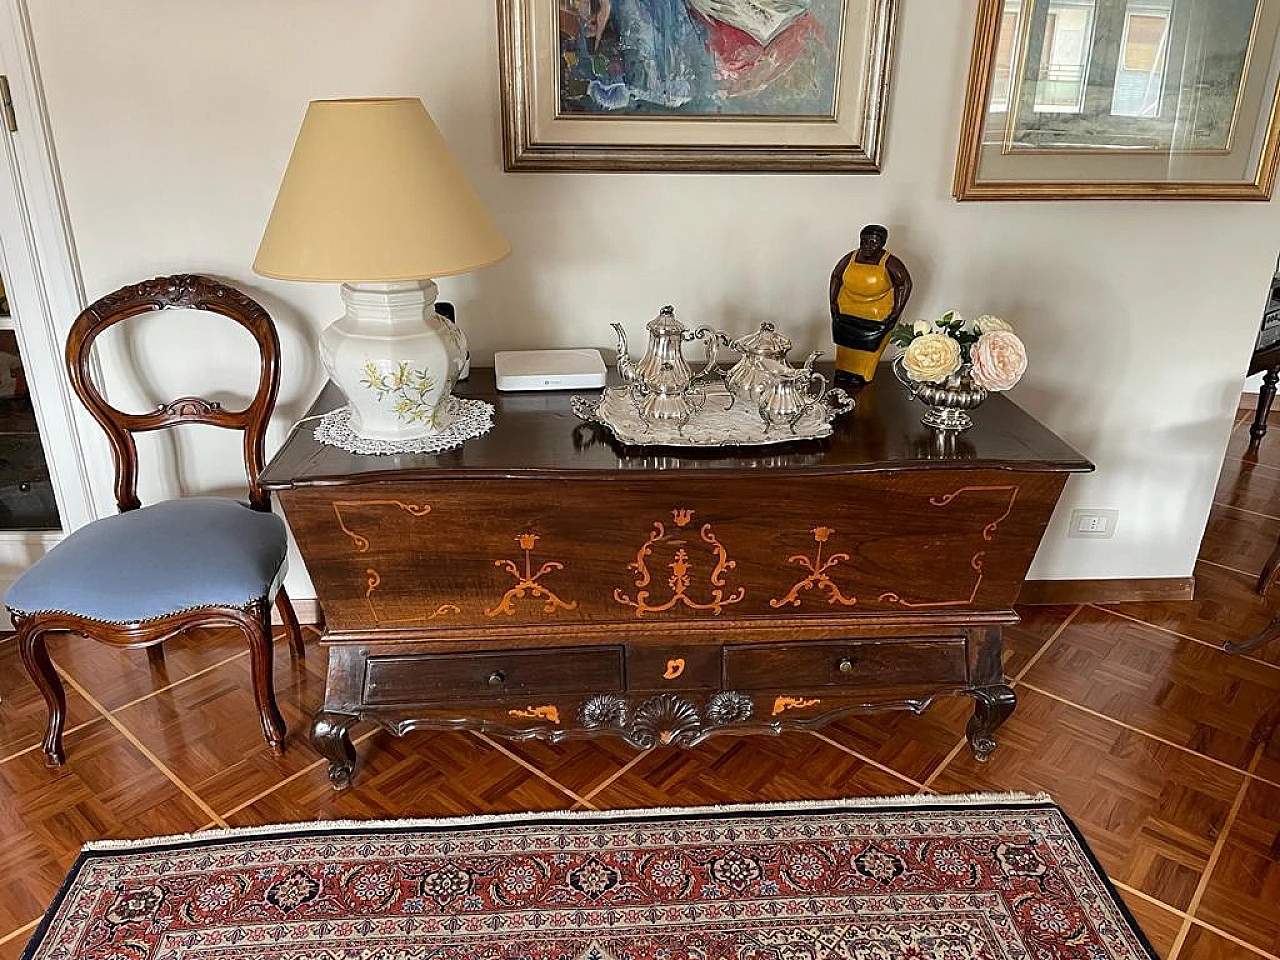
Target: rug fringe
point(852, 803)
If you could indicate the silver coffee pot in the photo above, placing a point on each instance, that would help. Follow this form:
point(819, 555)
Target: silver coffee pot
point(667, 336)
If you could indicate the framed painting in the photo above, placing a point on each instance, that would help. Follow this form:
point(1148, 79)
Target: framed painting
point(683, 85)
point(1135, 99)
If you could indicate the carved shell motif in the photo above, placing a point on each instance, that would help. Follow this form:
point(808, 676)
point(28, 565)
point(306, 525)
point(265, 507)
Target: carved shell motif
point(664, 719)
point(606, 710)
point(729, 706)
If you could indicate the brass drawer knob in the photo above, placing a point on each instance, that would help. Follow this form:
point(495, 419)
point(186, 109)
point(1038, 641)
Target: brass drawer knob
point(496, 679)
point(845, 665)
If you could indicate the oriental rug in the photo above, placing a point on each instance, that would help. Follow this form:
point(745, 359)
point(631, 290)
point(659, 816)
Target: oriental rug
point(926, 878)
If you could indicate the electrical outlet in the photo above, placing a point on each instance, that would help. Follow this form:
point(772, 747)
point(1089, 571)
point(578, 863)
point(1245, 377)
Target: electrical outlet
point(1093, 523)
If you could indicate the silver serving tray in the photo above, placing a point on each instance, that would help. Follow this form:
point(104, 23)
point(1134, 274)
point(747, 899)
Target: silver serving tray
point(713, 426)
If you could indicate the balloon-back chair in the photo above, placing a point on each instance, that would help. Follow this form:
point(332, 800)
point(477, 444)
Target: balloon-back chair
point(146, 574)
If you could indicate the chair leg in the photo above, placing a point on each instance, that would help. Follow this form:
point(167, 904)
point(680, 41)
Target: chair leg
point(290, 620)
point(1266, 396)
point(257, 631)
point(1269, 571)
point(1268, 633)
point(36, 659)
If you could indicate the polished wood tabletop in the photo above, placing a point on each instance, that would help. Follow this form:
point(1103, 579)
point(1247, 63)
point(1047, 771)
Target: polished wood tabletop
point(537, 434)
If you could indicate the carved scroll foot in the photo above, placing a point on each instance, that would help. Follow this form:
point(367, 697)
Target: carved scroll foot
point(1261, 639)
point(330, 738)
point(992, 706)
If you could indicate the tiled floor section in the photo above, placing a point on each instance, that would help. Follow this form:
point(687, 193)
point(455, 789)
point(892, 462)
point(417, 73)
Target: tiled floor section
point(1156, 742)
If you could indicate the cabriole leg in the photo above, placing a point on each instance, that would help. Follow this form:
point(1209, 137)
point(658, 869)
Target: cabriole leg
point(329, 735)
point(257, 630)
point(991, 707)
point(40, 668)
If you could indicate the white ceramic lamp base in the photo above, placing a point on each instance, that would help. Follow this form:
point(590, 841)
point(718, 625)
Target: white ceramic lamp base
point(394, 358)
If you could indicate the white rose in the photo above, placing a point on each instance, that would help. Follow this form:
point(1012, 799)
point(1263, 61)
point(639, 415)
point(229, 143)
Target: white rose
point(932, 358)
point(990, 324)
point(921, 327)
point(999, 360)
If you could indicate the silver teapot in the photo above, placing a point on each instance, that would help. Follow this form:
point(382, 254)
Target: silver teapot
point(667, 336)
point(667, 396)
point(791, 393)
point(764, 355)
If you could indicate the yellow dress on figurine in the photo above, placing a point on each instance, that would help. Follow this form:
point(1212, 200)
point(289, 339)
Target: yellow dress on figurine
point(869, 289)
point(866, 290)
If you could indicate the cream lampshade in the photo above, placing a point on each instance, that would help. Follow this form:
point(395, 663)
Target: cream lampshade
point(373, 198)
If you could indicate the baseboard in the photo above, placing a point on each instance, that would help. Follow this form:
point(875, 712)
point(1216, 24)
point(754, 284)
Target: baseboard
point(307, 611)
point(1046, 592)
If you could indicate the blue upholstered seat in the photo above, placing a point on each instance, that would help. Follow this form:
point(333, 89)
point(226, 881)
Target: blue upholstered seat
point(158, 560)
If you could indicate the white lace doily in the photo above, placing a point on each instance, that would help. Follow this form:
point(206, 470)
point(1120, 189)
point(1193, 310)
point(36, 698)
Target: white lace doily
point(467, 419)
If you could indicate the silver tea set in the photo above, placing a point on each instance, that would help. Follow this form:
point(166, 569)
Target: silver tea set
point(664, 388)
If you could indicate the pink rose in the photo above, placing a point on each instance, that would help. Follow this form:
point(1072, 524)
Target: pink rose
point(999, 360)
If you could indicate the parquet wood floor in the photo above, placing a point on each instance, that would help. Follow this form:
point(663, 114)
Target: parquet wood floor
point(1159, 745)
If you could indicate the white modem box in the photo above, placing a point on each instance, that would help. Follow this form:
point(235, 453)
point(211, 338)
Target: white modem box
point(548, 369)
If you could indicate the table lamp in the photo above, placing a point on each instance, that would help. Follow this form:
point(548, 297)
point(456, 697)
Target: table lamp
point(373, 198)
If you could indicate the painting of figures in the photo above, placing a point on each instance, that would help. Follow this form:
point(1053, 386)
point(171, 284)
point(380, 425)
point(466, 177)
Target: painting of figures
point(795, 86)
point(763, 58)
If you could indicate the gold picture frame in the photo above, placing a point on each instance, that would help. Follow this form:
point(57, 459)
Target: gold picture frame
point(544, 46)
point(1121, 99)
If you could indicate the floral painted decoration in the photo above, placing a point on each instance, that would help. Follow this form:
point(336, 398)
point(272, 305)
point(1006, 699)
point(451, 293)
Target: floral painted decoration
point(407, 388)
point(987, 350)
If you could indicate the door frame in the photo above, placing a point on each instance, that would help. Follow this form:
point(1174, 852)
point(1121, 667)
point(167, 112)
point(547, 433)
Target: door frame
point(44, 286)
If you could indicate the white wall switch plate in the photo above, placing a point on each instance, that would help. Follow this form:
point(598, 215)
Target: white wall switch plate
point(1093, 523)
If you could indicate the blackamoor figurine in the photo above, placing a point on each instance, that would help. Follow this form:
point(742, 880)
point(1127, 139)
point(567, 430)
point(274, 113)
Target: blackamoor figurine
point(869, 290)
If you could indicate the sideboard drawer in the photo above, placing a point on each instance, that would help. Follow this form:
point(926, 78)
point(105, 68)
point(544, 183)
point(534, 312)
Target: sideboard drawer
point(839, 663)
point(484, 676)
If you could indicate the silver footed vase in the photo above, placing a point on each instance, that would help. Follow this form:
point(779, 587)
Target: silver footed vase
point(948, 402)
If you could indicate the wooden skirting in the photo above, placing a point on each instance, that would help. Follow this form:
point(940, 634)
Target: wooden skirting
point(1041, 592)
point(306, 610)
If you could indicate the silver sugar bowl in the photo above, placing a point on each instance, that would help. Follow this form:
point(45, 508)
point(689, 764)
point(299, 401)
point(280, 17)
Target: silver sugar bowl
point(667, 396)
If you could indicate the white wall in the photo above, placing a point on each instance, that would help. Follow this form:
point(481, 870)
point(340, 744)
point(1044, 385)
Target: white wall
point(173, 122)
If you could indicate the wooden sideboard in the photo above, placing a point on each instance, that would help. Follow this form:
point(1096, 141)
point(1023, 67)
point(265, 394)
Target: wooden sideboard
point(542, 581)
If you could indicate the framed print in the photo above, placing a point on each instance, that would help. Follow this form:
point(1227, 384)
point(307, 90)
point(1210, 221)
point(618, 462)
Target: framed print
point(682, 85)
point(1137, 99)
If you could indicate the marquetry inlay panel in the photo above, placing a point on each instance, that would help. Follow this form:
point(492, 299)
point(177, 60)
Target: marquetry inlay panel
point(465, 555)
point(695, 574)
